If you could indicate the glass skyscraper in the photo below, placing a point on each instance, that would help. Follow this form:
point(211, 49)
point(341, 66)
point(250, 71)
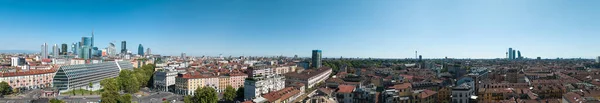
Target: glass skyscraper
point(123, 47)
point(86, 48)
point(316, 59)
point(140, 50)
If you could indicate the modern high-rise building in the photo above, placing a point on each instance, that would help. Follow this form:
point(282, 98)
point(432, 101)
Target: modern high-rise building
point(44, 53)
point(598, 59)
point(183, 57)
point(519, 55)
point(55, 51)
point(510, 53)
point(123, 47)
point(75, 48)
point(111, 49)
point(514, 52)
point(92, 45)
point(316, 59)
point(148, 51)
point(141, 50)
point(64, 49)
point(86, 48)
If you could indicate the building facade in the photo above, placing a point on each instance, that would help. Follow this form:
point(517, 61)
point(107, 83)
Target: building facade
point(164, 80)
point(31, 79)
point(80, 76)
point(255, 86)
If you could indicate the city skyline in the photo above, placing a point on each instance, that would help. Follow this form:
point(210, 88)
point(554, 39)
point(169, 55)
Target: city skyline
point(377, 29)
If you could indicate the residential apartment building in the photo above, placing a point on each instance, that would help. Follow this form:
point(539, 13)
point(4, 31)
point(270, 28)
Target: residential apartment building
point(31, 79)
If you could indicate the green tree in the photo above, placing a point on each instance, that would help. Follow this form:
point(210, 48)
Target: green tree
point(187, 99)
point(128, 81)
point(240, 93)
point(5, 88)
point(205, 95)
point(229, 94)
point(56, 101)
point(126, 98)
point(90, 85)
point(110, 92)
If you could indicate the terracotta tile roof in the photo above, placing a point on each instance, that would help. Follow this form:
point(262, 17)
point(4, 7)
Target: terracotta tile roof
point(282, 94)
point(402, 86)
point(30, 72)
point(572, 97)
point(345, 89)
point(426, 93)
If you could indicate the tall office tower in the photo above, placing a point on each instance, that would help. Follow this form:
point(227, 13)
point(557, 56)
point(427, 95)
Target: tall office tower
point(92, 45)
point(519, 54)
point(598, 59)
point(316, 59)
point(96, 52)
point(123, 47)
point(514, 52)
point(64, 49)
point(55, 51)
point(141, 50)
point(75, 48)
point(111, 50)
point(183, 57)
point(510, 54)
point(148, 51)
point(44, 52)
point(86, 48)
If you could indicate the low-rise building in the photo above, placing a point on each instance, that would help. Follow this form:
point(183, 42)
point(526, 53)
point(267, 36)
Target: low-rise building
point(344, 93)
point(31, 79)
point(309, 77)
point(80, 76)
point(164, 80)
point(463, 92)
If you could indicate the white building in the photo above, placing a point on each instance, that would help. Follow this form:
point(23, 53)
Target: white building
point(309, 77)
point(463, 92)
point(17, 61)
point(254, 87)
point(163, 79)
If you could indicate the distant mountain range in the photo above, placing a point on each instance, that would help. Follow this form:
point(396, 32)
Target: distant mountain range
point(18, 51)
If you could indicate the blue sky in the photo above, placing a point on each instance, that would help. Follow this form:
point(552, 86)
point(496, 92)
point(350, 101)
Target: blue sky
point(348, 28)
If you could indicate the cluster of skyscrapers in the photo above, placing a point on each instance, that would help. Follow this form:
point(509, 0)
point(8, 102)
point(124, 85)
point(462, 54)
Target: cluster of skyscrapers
point(513, 54)
point(85, 49)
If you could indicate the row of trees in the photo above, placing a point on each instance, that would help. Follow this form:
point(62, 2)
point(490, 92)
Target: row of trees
point(128, 81)
point(110, 92)
point(132, 81)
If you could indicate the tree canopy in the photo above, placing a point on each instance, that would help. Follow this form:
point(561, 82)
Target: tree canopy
point(240, 93)
point(229, 94)
point(203, 95)
point(5, 88)
point(128, 81)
